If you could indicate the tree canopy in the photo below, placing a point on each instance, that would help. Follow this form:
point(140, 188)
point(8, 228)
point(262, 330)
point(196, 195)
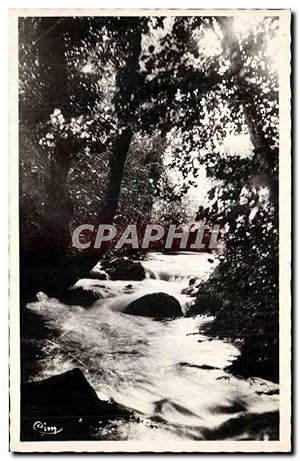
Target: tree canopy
point(118, 115)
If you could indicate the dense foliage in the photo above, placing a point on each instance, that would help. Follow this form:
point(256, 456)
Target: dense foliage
point(243, 291)
point(118, 115)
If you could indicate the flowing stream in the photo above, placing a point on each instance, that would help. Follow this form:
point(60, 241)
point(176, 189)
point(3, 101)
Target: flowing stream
point(166, 371)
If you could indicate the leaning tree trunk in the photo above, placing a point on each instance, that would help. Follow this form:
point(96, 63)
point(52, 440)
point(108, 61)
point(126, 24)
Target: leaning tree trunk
point(244, 91)
point(126, 100)
point(244, 96)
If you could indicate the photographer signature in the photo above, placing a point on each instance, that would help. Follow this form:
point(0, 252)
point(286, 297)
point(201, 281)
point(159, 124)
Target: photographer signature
point(43, 428)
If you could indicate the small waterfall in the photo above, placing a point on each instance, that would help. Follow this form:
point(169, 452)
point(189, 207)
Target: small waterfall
point(180, 267)
point(150, 274)
point(170, 374)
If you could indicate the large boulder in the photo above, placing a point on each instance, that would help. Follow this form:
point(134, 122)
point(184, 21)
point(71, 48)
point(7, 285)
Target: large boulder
point(67, 402)
point(159, 305)
point(123, 269)
point(66, 394)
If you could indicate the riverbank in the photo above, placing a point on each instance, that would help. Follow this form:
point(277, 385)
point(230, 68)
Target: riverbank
point(247, 323)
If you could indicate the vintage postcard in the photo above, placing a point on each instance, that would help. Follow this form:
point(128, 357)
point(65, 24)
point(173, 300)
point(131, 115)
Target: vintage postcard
point(150, 227)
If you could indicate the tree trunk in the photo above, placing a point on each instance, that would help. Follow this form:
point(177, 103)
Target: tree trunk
point(44, 260)
point(245, 92)
point(128, 82)
point(126, 100)
point(117, 165)
point(59, 205)
point(55, 94)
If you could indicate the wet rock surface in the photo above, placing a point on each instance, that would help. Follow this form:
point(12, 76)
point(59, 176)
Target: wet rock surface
point(87, 291)
point(123, 269)
point(159, 305)
point(64, 404)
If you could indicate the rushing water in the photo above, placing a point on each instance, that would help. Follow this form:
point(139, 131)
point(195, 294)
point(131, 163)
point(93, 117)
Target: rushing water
point(166, 371)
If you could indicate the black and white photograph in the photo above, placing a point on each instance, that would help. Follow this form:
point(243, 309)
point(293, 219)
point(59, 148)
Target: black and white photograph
point(150, 195)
